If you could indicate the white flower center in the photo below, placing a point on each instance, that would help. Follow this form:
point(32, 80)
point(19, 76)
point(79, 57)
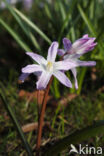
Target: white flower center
point(49, 66)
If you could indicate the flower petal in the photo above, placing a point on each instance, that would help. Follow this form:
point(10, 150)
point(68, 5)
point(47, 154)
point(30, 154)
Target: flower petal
point(63, 78)
point(85, 36)
point(85, 49)
point(67, 44)
point(65, 65)
point(82, 46)
point(37, 73)
point(61, 52)
point(27, 4)
point(52, 51)
point(23, 76)
point(43, 80)
point(74, 62)
point(83, 40)
point(31, 68)
point(72, 56)
point(74, 71)
point(79, 42)
point(86, 63)
point(38, 58)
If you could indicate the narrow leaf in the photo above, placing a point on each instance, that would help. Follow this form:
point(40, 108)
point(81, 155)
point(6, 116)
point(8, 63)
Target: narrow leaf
point(14, 35)
point(62, 10)
point(32, 25)
point(76, 137)
point(17, 126)
point(67, 18)
point(24, 27)
point(91, 28)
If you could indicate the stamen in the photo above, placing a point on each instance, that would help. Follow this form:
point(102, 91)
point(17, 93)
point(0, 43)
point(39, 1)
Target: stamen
point(49, 66)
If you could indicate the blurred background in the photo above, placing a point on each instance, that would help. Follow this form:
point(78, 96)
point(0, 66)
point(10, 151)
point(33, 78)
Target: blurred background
point(31, 26)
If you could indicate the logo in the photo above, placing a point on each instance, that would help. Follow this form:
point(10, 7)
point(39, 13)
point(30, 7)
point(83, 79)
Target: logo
point(86, 150)
point(73, 149)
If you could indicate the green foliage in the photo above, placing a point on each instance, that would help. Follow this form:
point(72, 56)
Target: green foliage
point(74, 18)
point(17, 126)
point(15, 36)
point(76, 137)
point(34, 31)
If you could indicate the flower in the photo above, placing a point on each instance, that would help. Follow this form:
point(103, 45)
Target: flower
point(46, 68)
point(72, 52)
point(28, 4)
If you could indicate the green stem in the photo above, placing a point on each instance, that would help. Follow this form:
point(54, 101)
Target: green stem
point(18, 128)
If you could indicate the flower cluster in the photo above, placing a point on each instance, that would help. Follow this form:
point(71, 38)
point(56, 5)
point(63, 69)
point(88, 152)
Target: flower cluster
point(45, 68)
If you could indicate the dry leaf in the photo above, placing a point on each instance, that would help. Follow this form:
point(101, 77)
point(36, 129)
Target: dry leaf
point(33, 95)
point(34, 126)
point(64, 101)
point(100, 89)
point(93, 74)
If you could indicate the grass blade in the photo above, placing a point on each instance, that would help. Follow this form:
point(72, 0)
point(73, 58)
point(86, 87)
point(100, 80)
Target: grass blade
point(24, 28)
point(62, 10)
point(81, 79)
point(32, 25)
point(15, 36)
point(47, 11)
point(17, 126)
point(56, 88)
point(91, 28)
point(34, 41)
point(67, 19)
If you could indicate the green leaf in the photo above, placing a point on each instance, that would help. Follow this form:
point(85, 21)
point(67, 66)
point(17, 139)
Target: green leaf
point(81, 79)
point(34, 41)
point(87, 21)
point(16, 125)
point(24, 27)
point(47, 11)
point(15, 36)
point(62, 10)
point(32, 25)
point(91, 29)
point(76, 137)
point(67, 18)
point(55, 117)
point(56, 88)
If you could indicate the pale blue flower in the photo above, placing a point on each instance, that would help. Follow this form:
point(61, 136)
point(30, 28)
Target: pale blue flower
point(28, 4)
point(72, 52)
point(48, 67)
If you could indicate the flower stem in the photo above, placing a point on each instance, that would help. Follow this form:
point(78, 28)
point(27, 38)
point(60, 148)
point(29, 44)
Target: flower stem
point(38, 103)
point(41, 119)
